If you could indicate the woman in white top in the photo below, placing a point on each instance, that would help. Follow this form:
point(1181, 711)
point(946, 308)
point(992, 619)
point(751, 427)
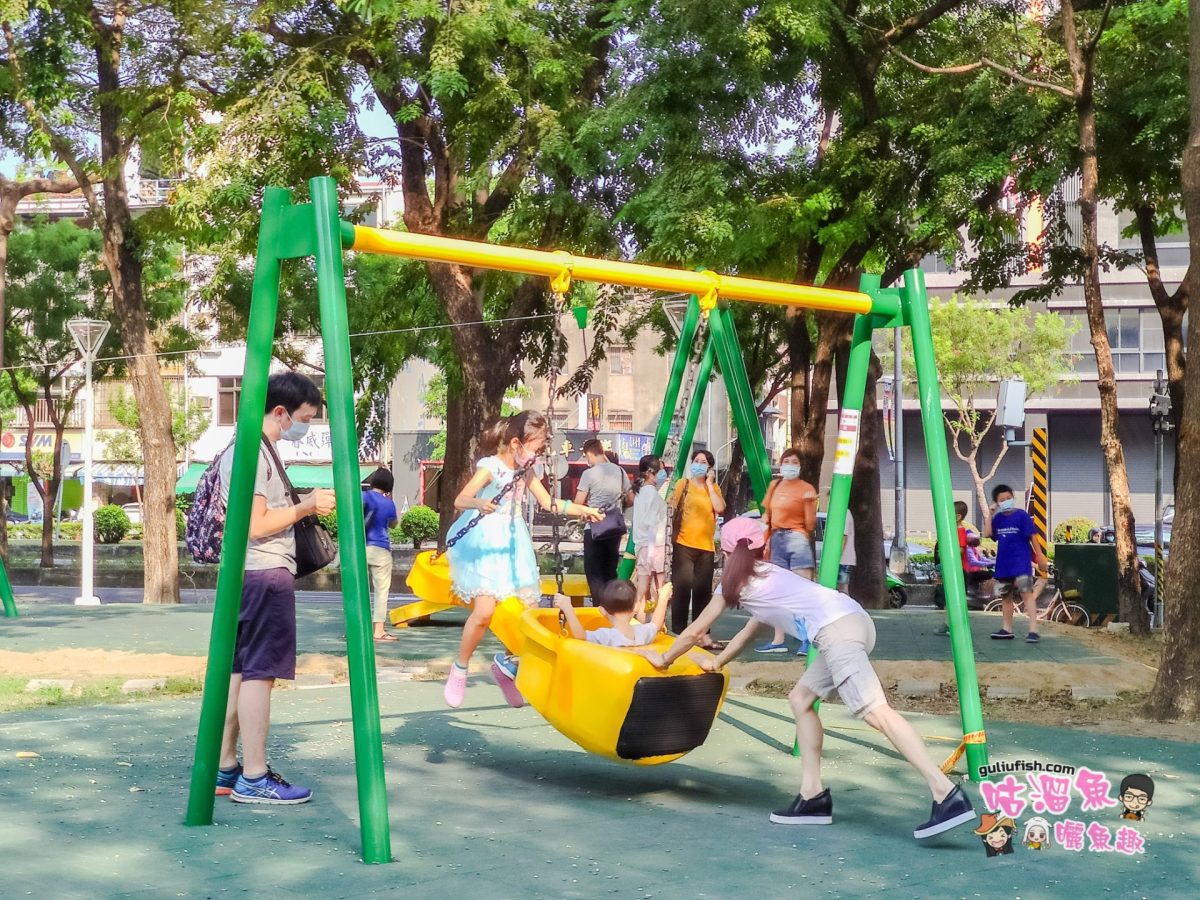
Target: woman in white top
point(844, 634)
point(650, 528)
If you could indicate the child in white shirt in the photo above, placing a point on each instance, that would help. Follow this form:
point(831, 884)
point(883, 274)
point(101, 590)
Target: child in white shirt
point(619, 603)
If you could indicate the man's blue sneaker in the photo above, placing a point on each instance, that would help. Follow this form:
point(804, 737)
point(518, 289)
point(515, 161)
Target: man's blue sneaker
point(507, 665)
point(270, 788)
point(1032, 638)
point(802, 650)
point(227, 779)
point(771, 648)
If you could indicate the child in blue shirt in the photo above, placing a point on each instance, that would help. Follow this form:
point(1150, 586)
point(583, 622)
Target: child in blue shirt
point(1016, 553)
point(379, 514)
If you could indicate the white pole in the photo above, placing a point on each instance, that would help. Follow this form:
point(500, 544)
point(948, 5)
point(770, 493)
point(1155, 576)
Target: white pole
point(88, 596)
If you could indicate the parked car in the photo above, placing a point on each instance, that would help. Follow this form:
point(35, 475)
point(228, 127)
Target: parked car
point(134, 511)
point(1143, 537)
point(16, 518)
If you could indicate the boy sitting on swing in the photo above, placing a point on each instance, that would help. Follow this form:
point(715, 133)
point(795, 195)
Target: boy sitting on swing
point(619, 603)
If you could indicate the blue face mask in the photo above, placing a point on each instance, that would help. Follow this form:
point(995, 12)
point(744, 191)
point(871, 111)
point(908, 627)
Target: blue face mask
point(699, 470)
point(1007, 505)
point(789, 472)
point(661, 477)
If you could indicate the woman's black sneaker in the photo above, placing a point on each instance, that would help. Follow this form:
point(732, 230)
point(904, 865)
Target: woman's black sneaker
point(955, 810)
point(816, 810)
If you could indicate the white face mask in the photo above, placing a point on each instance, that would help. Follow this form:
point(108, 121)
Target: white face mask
point(296, 432)
point(1006, 505)
point(789, 471)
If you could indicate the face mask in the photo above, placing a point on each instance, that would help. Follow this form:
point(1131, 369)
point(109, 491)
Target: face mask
point(521, 456)
point(296, 432)
point(1006, 505)
point(661, 477)
point(789, 471)
point(699, 470)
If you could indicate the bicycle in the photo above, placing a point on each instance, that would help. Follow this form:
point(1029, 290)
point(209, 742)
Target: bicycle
point(1058, 609)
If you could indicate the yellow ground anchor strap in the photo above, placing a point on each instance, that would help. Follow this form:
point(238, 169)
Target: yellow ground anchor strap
point(975, 737)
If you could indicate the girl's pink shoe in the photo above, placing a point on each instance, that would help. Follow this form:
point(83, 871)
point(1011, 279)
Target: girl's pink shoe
point(456, 686)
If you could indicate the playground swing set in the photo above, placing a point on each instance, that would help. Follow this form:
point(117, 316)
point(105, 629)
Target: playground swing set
point(551, 665)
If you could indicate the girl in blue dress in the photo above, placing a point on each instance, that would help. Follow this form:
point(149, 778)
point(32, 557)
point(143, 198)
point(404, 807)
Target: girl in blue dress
point(495, 559)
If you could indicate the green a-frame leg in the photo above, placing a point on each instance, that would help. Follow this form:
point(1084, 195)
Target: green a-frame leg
point(291, 231)
point(892, 307)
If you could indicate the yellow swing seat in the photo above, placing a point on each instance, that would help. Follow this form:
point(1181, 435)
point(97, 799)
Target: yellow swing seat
point(609, 701)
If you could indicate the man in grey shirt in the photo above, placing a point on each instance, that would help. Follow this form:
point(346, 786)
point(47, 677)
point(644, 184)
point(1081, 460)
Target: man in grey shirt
point(266, 636)
point(603, 486)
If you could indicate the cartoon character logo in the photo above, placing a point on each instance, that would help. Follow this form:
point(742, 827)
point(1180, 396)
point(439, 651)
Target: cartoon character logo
point(1037, 834)
point(997, 833)
point(1137, 794)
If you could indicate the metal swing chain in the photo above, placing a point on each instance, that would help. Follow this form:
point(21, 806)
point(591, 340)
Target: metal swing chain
point(504, 491)
point(559, 285)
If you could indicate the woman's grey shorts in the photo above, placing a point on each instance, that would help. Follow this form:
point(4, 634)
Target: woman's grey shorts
point(843, 664)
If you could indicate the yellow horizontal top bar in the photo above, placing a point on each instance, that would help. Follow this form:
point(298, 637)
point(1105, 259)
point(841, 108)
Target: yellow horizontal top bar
point(584, 268)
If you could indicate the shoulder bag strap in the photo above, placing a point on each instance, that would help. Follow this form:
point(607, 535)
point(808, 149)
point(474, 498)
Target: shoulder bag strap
point(282, 472)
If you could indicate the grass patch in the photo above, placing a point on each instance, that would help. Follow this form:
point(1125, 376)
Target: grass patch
point(14, 697)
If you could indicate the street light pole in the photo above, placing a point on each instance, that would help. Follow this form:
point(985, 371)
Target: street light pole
point(898, 561)
point(88, 335)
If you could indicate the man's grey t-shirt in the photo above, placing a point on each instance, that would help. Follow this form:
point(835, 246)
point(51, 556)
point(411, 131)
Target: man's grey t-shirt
point(606, 484)
point(277, 551)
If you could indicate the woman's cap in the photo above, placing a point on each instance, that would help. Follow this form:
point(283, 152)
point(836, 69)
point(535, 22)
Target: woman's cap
point(743, 528)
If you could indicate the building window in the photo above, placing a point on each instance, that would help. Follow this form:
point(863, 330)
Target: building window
point(1125, 338)
point(620, 361)
point(229, 394)
point(620, 420)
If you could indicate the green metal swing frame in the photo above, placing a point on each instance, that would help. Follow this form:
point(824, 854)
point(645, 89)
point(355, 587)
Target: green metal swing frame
point(293, 231)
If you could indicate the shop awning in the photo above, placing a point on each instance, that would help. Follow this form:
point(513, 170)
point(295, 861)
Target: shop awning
point(187, 481)
point(307, 476)
point(117, 474)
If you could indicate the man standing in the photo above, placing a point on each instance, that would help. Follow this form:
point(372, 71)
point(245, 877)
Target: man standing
point(1016, 552)
point(266, 636)
point(606, 487)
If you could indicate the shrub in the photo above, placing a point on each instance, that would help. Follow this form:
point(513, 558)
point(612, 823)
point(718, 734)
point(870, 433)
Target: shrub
point(1079, 526)
point(395, 535)
point(111, 524)
point(419, 524)
point(72, 531)
point(329, 520)
point(180, 524)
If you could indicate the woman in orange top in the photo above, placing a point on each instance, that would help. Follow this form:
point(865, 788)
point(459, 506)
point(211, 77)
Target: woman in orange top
point(790, 511)
point(695, 505)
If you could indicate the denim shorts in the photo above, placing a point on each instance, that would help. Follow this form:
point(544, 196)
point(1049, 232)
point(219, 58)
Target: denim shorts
point(792, 550)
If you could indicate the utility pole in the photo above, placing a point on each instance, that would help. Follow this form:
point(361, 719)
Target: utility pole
point(1160, 418)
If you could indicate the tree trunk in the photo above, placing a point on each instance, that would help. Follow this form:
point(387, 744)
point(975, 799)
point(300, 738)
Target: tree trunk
point(808, 430)
point(49, 503)
point(1177, 688)
point(868, 584)
point(1131, 607)
point(160, 540)
point(735, 497)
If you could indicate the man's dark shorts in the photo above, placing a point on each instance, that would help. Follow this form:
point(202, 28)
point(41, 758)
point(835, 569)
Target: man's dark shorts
point(266, 638)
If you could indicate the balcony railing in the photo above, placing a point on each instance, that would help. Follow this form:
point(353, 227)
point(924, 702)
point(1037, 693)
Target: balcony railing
point(41, 417)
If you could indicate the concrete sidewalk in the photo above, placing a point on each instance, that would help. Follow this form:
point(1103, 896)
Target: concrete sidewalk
point(487, 801)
